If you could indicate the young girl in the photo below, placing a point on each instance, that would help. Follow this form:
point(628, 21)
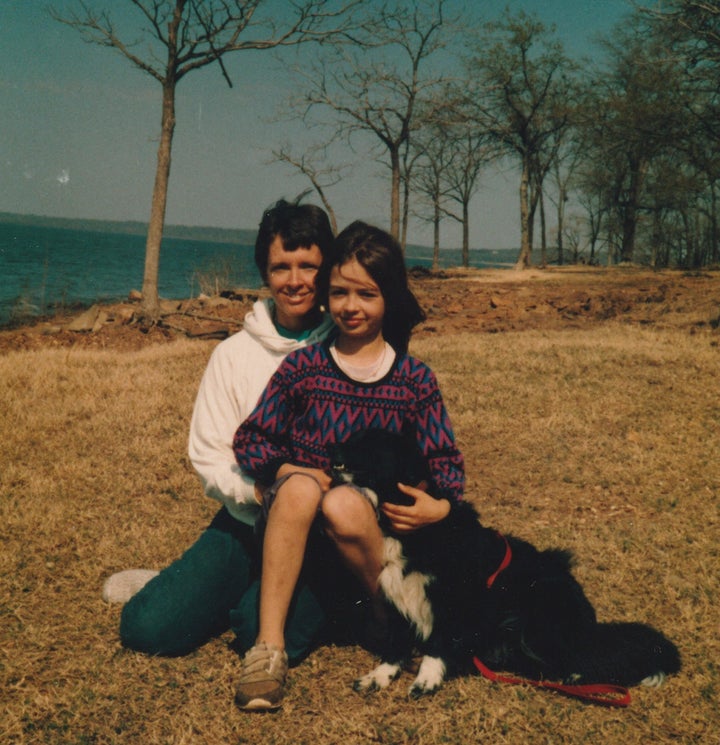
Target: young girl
point(321, 396)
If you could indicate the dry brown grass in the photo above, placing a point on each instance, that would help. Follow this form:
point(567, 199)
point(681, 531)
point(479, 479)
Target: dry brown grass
point(603, 440)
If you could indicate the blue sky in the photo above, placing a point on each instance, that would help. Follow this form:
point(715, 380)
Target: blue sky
point(79, 127)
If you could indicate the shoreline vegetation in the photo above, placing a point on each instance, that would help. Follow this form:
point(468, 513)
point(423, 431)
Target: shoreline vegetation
point(586, 405)
point(481, 300)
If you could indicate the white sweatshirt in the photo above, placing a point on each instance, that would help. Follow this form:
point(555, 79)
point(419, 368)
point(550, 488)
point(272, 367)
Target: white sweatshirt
point(237, 373)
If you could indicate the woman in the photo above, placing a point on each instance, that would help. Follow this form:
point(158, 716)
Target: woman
point(211, 586)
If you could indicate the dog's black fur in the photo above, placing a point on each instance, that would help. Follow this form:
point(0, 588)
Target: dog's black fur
point(534, 620)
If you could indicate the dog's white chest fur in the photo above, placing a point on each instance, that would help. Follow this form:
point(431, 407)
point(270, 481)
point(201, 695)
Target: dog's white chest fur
point(406, 591)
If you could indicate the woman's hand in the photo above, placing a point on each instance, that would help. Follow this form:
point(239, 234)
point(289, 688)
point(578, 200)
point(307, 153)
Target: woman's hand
point(323, 479)
point(260, 490)
point(426, 510)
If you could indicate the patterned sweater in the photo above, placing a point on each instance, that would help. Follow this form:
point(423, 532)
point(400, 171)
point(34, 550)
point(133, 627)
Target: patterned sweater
point(310, 404)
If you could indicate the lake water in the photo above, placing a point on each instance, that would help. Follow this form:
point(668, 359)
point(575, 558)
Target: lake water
point(42, 268)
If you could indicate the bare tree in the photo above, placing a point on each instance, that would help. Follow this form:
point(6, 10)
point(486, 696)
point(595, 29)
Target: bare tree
point(519, 83)
point(311, 165)
point(690, 31)
point(470, 153)
point(568, 151)
point(184, 36)
point(433, 156)
point(377, 92)
point(635, 118)
point(556, 160)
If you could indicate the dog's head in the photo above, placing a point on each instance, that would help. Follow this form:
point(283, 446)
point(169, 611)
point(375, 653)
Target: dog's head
point(378, 460)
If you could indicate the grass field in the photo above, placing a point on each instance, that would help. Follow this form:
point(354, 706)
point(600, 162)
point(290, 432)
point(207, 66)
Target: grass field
point(604, 441)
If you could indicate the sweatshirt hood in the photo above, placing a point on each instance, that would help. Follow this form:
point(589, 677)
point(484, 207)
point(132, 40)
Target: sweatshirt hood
point(259, 324)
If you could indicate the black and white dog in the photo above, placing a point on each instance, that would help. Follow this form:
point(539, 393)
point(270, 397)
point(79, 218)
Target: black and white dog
point(457, 590)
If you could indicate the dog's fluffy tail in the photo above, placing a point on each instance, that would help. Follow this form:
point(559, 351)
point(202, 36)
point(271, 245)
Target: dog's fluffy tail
point(626, 654)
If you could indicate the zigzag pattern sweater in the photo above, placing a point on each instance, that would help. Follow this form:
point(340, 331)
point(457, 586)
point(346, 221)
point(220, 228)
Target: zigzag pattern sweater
point(310, 404)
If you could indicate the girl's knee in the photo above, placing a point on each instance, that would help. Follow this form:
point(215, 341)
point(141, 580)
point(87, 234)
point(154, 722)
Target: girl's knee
point(345, 510)
point(298, 488)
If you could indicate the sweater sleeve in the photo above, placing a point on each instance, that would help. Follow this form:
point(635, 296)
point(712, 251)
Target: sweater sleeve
point(219, 407)
point(262, 443)
point(437, 441)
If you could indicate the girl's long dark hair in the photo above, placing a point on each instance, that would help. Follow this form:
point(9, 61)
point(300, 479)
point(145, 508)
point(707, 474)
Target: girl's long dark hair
point(382, 258)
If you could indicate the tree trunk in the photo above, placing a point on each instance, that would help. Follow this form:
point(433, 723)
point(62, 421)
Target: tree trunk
point(150, 308)
point(543, 231)
point(714, 251)
point(523, 260)
point(395, 194)
point(561, 228)
point(436, 237)
point(612, 245)
point(627, 248)
point(405, 212)
point(595, 227)
point(656, 239)
point(630, 213)
point(150, 303)
point(465, 235)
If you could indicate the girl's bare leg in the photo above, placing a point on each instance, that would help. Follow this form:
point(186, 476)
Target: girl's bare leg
point(288, 525)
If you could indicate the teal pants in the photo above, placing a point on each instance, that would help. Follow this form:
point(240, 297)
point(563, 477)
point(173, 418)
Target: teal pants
point(212, 587)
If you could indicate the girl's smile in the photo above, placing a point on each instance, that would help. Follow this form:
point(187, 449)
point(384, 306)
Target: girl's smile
point(356, 305)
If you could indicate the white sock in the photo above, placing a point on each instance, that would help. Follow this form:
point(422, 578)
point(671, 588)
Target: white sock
point(121, 586)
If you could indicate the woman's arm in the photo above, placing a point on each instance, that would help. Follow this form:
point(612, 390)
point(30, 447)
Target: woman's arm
point(261, 443)
point(221, 404)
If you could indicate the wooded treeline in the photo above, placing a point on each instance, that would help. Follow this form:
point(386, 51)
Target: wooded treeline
point(616, 154)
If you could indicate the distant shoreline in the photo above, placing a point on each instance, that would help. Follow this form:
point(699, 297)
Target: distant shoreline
point(242, 236)
point(132, 227)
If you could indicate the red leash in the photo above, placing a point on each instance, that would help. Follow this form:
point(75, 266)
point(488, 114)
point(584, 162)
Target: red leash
point(604, 694)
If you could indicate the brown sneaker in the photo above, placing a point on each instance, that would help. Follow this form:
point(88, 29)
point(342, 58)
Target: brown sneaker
point(262, 679)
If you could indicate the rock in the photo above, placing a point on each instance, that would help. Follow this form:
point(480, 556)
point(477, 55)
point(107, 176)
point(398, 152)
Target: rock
point(170, 306)
point(135, 296)
point(100, 321)
point(50, 329)
point(85, 321)
point(217, 302)
point(124, 314)
point(222, 333)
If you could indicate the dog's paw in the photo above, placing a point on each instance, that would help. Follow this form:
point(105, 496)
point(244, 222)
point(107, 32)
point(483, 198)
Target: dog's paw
point(379, 678)
point(429, 678)
point(653, 681)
